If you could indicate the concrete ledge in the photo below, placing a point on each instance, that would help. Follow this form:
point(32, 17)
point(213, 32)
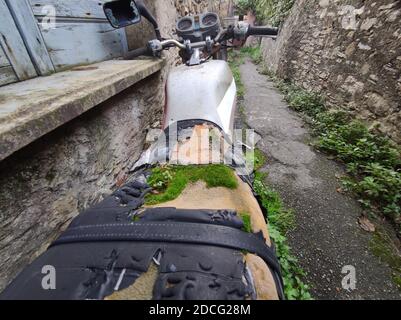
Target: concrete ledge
point(33, 108)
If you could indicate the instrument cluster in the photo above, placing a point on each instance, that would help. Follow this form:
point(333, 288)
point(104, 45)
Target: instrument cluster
point(198, 27)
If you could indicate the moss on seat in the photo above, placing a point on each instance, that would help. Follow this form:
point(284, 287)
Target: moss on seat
point(170, 181)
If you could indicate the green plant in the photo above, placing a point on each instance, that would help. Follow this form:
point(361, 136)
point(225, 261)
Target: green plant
point(281, 218)
point(281, 221)
point(255, 53)
point(307, 102)
point(294, 287)
point(382, 246)
point(235, 60)
point(170, 181)
point(246, 219)
point(373, 163)
point(273, 12)
point(255, 159)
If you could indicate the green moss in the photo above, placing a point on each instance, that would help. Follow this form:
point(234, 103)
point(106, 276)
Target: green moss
point(246, 219)
point(235, 59)
point(172, 180)
point(256, 158)
point(283, 219)
point(397, 280)
point(382, 246)
point(255, 53)
point(238, 81)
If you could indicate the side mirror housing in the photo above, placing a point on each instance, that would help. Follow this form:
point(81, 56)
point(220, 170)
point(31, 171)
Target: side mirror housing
point(122, 13)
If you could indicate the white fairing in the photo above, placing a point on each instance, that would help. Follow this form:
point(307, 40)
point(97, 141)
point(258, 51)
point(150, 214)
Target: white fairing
point(203, 92)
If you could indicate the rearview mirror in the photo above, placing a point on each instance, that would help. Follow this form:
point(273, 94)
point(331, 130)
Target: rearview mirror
point(122, 13)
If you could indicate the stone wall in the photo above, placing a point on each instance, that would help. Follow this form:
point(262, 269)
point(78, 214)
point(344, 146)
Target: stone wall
point(223, 7)
point(45, 185)
point(350, 51)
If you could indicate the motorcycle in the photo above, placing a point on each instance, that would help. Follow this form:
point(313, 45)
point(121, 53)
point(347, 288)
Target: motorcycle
point(204, 83)
point(194, 245)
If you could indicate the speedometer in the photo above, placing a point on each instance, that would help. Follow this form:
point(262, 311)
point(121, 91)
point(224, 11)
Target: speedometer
point(184, 24)
point(210, 19)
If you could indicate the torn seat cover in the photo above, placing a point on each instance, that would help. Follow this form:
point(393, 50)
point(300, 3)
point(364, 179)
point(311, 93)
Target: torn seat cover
point(198, 254)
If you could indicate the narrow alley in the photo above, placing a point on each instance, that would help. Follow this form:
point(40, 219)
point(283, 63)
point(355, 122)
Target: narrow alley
point(327, 236)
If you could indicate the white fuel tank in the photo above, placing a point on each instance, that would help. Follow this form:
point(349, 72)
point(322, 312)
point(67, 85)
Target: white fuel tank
point(202, 92)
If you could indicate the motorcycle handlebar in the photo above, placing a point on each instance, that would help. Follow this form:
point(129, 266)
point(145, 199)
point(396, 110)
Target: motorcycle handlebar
point(262, 31)
point(156, 46)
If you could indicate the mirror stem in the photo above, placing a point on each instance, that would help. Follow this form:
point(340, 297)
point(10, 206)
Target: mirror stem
point(148, 15)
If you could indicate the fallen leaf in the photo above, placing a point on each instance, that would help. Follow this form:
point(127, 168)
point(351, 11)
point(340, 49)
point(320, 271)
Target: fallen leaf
point(366, 224)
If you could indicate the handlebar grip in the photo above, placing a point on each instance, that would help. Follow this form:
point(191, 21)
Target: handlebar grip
point(262, 31)
point(137, 52)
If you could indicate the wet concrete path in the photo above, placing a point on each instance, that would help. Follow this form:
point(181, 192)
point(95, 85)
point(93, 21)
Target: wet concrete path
point(327, 236)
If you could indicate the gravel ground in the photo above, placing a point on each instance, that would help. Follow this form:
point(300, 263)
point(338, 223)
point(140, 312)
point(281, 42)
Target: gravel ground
point(327, 236)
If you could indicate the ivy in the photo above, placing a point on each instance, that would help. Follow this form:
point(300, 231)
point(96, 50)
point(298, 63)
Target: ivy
point(272, 12)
